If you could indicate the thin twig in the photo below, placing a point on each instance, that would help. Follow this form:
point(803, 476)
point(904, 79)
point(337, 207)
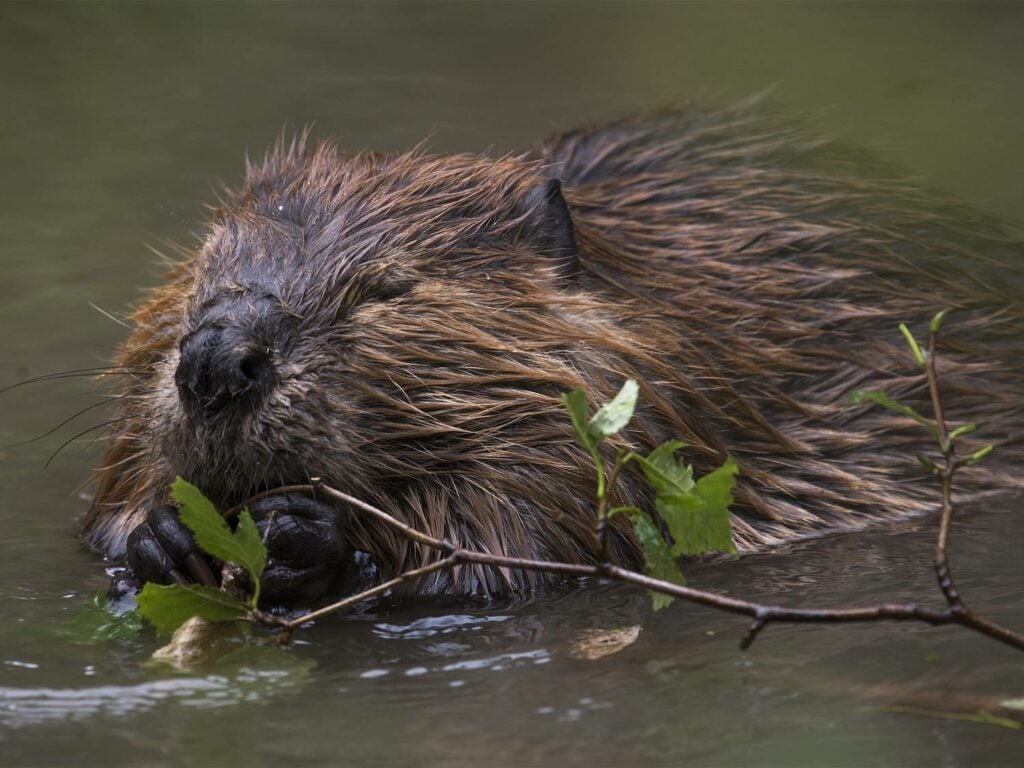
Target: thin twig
point(946, 474)
point(601, 527)
point(437, 565)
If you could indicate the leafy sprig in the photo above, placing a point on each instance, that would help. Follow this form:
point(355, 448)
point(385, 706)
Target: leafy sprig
point(695, 513)
point(936, 427)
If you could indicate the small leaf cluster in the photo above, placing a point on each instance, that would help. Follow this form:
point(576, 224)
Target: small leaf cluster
point(168, 607)
point(945, 440)
point(694, 513)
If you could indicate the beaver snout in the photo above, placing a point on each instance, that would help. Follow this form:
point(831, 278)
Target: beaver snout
point(219, 367)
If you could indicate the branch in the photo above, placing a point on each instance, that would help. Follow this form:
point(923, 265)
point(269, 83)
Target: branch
point(761, 615)
point(449, 562)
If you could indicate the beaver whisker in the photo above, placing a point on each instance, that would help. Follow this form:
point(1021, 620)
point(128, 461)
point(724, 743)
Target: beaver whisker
point(105, 401)
point(109, 316)
point(69, 441)
point(110, 370)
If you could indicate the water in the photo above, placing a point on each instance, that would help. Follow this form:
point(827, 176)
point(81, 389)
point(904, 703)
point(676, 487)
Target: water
point(119, 123)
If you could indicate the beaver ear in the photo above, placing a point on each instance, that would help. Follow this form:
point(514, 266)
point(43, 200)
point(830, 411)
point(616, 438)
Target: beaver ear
point(548, 225)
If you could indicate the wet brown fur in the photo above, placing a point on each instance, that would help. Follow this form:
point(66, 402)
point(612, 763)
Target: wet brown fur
point(747, 276)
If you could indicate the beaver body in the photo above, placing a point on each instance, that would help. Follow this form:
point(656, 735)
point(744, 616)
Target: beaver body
point(402, 326)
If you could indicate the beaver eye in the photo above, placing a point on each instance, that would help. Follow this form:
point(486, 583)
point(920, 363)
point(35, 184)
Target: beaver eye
point(386, 290)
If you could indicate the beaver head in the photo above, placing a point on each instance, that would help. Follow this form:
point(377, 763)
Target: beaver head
point(401, 327)
point(356, 319)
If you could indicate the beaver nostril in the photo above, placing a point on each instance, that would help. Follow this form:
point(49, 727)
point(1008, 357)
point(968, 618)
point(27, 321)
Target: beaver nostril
point(254, 365)
point(244, 370)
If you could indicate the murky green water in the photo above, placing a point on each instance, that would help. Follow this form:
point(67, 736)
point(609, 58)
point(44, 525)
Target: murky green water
point(119, 122)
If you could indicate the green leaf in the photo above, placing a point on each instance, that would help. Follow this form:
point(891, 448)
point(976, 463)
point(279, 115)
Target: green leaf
point(697, 514)
point(168, 607)
point(210, 529)
point(253, 552)
point(213, 533)
point(961, 431)
point(663, 471)
point(882, 399)
point(936, 324)
point(576, 403)
point(912, 343)
point(658, 560)
point(978, 455)
point(613, 416)
point(699, 521)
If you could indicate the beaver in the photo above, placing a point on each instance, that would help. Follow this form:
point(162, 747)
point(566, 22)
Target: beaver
point(402, 326)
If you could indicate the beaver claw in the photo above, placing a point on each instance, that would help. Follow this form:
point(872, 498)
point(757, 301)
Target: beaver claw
point(162, 550)
point(306, 553)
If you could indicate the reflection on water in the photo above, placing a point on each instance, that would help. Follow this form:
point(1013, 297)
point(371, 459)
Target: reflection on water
point(463, 687)
point(248, 675)
point(118, 119)
point(430, 626)
point(30, 706)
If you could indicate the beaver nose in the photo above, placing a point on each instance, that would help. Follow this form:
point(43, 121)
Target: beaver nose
point(218, 366)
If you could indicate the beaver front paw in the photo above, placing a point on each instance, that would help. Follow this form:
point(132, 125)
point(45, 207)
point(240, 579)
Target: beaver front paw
point(308, 561)
point(162, 550)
